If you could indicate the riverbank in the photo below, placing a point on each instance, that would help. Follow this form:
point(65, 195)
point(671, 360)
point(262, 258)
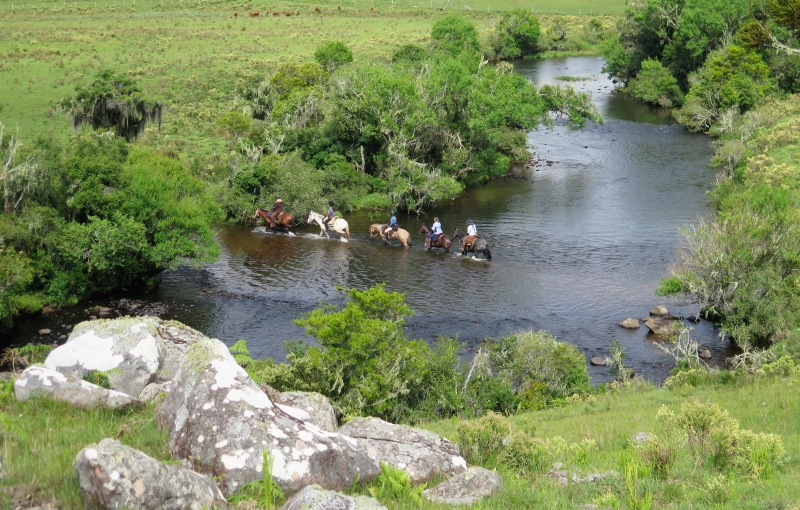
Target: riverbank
point(624, 447)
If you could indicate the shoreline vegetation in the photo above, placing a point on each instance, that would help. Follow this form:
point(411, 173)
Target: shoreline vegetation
point(235, 109)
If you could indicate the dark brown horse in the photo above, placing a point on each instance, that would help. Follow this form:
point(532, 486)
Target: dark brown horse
point(440, 241)
point(285, 220)
point(477, 245)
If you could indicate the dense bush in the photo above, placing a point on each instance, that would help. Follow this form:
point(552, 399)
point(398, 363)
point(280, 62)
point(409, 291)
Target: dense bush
point(655, 85)
point(332, 54)
point(515, 35)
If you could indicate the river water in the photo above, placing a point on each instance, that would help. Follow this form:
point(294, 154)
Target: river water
point(579, 244)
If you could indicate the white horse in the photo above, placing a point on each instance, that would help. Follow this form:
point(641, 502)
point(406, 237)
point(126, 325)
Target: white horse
point(339, 225)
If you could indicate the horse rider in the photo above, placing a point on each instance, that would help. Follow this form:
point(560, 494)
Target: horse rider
point(276, 210)
point(391, 225)
point(331, 213)
point(436, 229)
point(472, 234)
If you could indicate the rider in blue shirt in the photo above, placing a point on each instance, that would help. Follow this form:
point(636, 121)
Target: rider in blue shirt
point(392, 223)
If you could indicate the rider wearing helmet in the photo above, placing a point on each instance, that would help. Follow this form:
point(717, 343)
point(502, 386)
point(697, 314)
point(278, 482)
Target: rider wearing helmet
point(331, 213)
point(277, 209)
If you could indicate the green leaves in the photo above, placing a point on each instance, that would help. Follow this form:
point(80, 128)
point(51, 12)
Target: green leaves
point(332, 54)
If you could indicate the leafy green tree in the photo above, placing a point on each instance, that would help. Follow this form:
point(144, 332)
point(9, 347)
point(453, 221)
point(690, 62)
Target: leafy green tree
point(332, 54)
point(515, 35)
point(655, 85)
point(410, 53)
point(114, 101)
point(454, 35)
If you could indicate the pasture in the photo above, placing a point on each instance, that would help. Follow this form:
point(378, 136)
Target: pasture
point(193, 55)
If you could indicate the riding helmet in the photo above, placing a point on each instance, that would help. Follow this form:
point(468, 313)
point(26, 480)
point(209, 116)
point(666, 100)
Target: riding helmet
point(469, 222)
point(277, 196)
point(330, 203)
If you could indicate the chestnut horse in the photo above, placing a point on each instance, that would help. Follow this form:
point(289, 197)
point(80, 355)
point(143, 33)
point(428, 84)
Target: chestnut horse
point(402, 235)
point(442, 241)
point(478, 245)
point(285, 221)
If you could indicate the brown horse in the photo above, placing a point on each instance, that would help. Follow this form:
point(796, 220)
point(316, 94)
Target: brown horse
point(402, 235)
point(285, 220)
point(440, 241)
point(477, 245)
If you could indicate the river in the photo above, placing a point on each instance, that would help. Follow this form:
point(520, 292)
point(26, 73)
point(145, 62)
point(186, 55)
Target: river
point(579, 244)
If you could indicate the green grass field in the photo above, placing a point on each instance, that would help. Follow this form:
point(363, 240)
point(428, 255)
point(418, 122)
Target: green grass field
point(193, 54)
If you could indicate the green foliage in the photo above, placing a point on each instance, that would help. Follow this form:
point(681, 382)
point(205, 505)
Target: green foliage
point(394, 485)
point(515, 35)
point(332, 54)
point(410, 53)
point(113, 101)
point(617, 362)
point(97, 377)
point(528, 358)
point(454, 35)
point(654, 84)
point(241, 353)
point(733, 78)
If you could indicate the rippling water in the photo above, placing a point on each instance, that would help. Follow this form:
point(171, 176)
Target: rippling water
point(579, 244)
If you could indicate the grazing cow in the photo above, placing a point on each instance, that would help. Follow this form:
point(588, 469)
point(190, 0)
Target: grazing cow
point(339, 7)
point(440, 8)
point(317, 10)
point(235, 14)
point(253, 14)
point(276, 13)
point(391, 7)
point(288, 13)
point(371, 8)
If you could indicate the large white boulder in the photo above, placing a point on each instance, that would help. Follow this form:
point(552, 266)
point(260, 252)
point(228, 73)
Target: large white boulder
point(221, 421)
point(38, 381)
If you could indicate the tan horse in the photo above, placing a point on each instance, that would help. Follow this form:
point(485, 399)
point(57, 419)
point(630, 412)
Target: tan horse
point(402, 235)
point(285, 220)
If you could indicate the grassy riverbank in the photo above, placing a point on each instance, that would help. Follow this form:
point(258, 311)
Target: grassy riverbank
point(42, 438)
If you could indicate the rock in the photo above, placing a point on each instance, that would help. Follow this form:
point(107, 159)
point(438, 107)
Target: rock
point(153, 391)
point(641, 437)
point(112, 475)
point(662, 327)
point(318, 407)
point(218, 418)
point(598, 361)
point(629, 323)
point(420, 453)
point(563, 476)
point(659, 310)
point(44, 331)
point(129, 349)
point(693, 318)
point(705, 354)
point(39, 381)
point(314, 497)
point(465, 488)
point(7, 376)
point(177, 339)
point(62, 338)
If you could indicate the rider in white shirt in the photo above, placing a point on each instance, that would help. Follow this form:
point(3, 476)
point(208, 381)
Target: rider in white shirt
point(472, 230)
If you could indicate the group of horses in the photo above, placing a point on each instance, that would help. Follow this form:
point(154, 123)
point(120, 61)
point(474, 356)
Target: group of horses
point(286, 222)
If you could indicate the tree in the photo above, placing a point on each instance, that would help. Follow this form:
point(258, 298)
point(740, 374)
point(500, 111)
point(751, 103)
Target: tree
point(113, 100)
point(655, 85)
point(454, 35)
point(515, 35)
point(332, 54)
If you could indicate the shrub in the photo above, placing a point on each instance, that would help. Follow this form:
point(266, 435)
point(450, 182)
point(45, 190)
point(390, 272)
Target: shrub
point(655, 85)
point(332, 54)
point(658, 455)
point(482, 441)
point(410, 53)
point(515, 35)
point(454, 35)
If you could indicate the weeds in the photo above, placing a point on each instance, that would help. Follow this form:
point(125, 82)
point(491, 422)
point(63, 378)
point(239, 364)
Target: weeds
point(267, 493)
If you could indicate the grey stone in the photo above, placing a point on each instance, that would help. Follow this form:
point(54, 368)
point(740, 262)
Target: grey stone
point(218, 418)
point(44, 331)
point(7, 376)
point(629, 323)
point(564, 477)
point(659, 310)
point(465, 488)
point(420, 453)
point(598, 361)
point(314, 497)
point(319, 408)
point(662, 327)
point(177, 338)
point(153, 391)
point(112, 475)
point(641, 437)
point(705, 354)
point(38, 381)
point(129, 350)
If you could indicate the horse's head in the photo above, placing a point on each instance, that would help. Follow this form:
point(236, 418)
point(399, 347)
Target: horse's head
point(311, 217)
point(458, 234)
point(423, 229)
point(255, 214)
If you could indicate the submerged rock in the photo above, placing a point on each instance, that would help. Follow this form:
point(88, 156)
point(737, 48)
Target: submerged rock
point(39, 381)
point(663, 326)
point(315, 497)
point(598, 361)
point(465, 488)
point(319, 408)
point(704, 354)
point(129, 351)
point(420, 453)
point(659, 310)
point(221, 421)
point(629, 323)
point(112, 475)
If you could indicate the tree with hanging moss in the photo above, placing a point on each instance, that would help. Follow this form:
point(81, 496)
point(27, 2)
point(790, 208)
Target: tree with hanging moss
point(113, 101)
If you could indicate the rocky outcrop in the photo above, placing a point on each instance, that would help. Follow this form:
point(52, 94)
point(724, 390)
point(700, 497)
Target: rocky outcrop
point(319, 408)
point(315, 497)
point(221, 421)
point(38, 381)
point(465, 488)
point(130, 351)
point(177, 338)
point(112, 475)
point(153, 391)
point(663, 325)
point(420, 453)
point(629, 323)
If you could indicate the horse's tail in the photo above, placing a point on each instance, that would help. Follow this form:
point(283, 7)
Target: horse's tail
point(291, 227)
point(347, 231)
point(487, 253)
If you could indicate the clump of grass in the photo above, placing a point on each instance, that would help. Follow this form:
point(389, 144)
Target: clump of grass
point(267, 493)
point(573, 78)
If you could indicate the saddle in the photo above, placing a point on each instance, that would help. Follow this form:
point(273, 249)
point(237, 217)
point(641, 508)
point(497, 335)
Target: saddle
point(436, 238)
point(467, 242)
point(331, 222)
